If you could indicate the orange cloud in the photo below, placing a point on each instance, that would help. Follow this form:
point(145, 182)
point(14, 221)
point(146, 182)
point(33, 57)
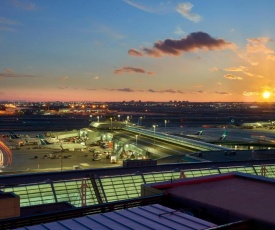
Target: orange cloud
point(270, 57)
point(213, 69)
point(133, 52)
point(235, 69)
point(258, 45)
point(248, 94)
point(231, 77)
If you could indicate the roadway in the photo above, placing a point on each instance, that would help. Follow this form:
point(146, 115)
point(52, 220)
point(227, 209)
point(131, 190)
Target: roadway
point(158, 148)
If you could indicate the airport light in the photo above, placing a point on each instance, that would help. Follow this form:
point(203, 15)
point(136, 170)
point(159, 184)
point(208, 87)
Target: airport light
point(111, 124)
point(126, 123)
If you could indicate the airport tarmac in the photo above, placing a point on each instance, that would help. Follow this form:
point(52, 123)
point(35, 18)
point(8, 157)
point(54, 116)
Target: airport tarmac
point(32, 159)
point(232, 134)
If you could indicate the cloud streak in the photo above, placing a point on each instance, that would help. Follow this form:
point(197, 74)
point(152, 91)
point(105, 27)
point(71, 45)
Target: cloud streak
point(138, 6)
point(7, 24)
point(235, 69)
point(133, 52)
point(132, 70)
point(10, 74)
point(25, 5)
point(194, 41)
point(249, 94)
point(185, 10)
point(232, 77)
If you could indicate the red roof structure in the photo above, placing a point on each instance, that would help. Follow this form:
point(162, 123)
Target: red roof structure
point(227, 198)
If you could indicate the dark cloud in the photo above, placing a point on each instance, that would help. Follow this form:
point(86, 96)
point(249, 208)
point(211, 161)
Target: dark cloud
point(131, 70)
point(194, 41)
point(165, 91)
point(223, 93)
point(126, 90)
point(171, 91)
point(129, 90)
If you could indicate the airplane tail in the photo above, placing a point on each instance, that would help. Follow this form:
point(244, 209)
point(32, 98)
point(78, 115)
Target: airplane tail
point(223, 136)
point(232, 121)
point(199, 133)
point(40, 136)
point(43, 141)
point(13, 135)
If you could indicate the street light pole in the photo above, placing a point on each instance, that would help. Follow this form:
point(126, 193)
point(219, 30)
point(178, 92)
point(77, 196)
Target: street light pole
point(165, 121)
point(136, 139)
point(154, 133)
point(111, 124)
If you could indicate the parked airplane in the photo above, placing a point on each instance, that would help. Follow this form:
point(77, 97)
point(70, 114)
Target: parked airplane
point(48, 139)
point(17, 139)
point(26, 139)
point(207, 138)
point(197, 135)
point(246, 125)
point(62, 146)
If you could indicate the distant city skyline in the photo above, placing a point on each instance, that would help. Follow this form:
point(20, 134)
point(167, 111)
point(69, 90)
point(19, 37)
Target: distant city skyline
point(123, 50)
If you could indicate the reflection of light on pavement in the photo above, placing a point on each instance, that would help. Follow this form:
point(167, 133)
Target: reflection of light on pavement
point(6, 155)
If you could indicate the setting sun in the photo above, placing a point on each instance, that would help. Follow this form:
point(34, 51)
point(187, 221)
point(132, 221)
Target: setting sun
point(266, 94)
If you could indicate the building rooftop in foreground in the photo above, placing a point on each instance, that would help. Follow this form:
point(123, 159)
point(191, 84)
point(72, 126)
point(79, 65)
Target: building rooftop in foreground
point(229, 197)
point(146, 217)
point(98, 191)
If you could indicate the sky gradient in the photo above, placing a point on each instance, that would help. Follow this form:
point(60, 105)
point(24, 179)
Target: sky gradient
point(157, 50)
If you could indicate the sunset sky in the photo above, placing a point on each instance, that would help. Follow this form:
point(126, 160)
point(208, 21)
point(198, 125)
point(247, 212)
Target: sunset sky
point(149, 50)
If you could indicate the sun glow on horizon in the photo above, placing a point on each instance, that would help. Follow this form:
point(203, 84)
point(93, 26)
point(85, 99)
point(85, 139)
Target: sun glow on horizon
point(266, 94)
